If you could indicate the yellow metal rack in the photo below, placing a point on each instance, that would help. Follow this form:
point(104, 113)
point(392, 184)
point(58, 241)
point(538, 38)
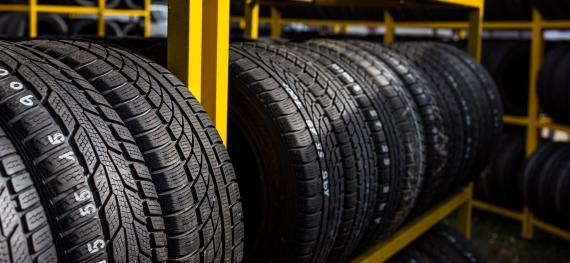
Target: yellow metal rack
point(33, 9)
point(198, 53)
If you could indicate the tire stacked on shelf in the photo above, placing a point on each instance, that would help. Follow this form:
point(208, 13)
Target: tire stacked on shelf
point(545, 182)
point(309, 192)
point(123, 160)
point(553, 82)
point(16, 25)
point(508, 62)
point(495, 185)
point(440, 244)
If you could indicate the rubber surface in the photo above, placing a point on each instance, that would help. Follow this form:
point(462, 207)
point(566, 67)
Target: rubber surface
point(25, 235)
point(460, 121)
point(101, 201)
point(189, 166)
point(384, 87)
point(280, 107)
point(365, 190)
point(389, 147)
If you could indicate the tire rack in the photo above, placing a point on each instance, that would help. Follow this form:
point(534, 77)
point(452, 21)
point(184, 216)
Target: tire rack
point(533, 121)
point(462, 202)
point(33, 9)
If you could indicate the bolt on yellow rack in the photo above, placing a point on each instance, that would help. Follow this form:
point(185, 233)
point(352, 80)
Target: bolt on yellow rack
point(33, 9)
point(198, 53)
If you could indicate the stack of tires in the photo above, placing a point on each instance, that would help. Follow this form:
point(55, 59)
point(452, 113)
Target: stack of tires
point(337, 143)
point(545, 183)
point(106, 157)
point(497, 184)
point(440, 244)
point(553, 82)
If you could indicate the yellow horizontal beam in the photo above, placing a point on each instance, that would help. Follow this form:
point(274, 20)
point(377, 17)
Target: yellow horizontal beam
point(386, 249)
point(60, 9)
point(515, 120)
point(124, 12)
point(549, 124)
point(483, 206)
point(491, 25)
point(551, 229)
point(63, 9)
point(13, 8)
point(380, 3)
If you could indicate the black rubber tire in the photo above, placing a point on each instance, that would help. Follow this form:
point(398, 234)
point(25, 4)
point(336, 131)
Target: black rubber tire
point(462, 140)
point(388, 144)
point(25, 232)
point(101, 201)
point(530, 176)
point(545, 187)
point(277, 114)
point(562, 201)
point(133, 30)
point(508, 168)
point(507, 61)
point(443, 244)
point(387, 88)
point(17, 25)
point(492, 107)
point(193, 175)
point(411, 254)
point(546, 85)
point(433, 116)
point(88, 27)
point(364, 192)
point(110, 3)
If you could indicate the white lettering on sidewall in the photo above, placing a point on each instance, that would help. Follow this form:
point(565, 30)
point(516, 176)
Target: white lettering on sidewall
point(16, 85)
point(313, 130)
point(56, 139)
point(96, 246)
point(27, 100)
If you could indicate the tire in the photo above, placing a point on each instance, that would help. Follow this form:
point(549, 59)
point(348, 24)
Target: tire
point(99, 194)
point(491, 106)
point(530, 177)
point(389, 90)
point(509, 165)
point(411, 254)
point(443, 244)
point(25, 231)
point(359, 197)
point(292, 215)
point(185, 155)
point(506, 61)
point(135, 4)
point(460, 112)
point(109, 3)
point(546, 85)
point(546, 183)
point(388, 146)
point(430, 105)
point(562, 201)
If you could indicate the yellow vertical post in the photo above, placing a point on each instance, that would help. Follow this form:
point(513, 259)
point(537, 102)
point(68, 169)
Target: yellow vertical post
point(147, 17)
point(215, 59)
point(475, 32)
point(465, 212)
point(252, 19)
point(532, 136)
point(185, 43)
point(336, 28)
point(33, 18)
point(389, 28)
point(101, 18)
point(275, 22)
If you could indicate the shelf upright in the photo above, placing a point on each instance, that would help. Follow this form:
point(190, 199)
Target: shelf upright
point(34, 9)
point(198, 53)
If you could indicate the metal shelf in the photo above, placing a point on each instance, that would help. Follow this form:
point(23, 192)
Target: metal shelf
point(33, 9)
